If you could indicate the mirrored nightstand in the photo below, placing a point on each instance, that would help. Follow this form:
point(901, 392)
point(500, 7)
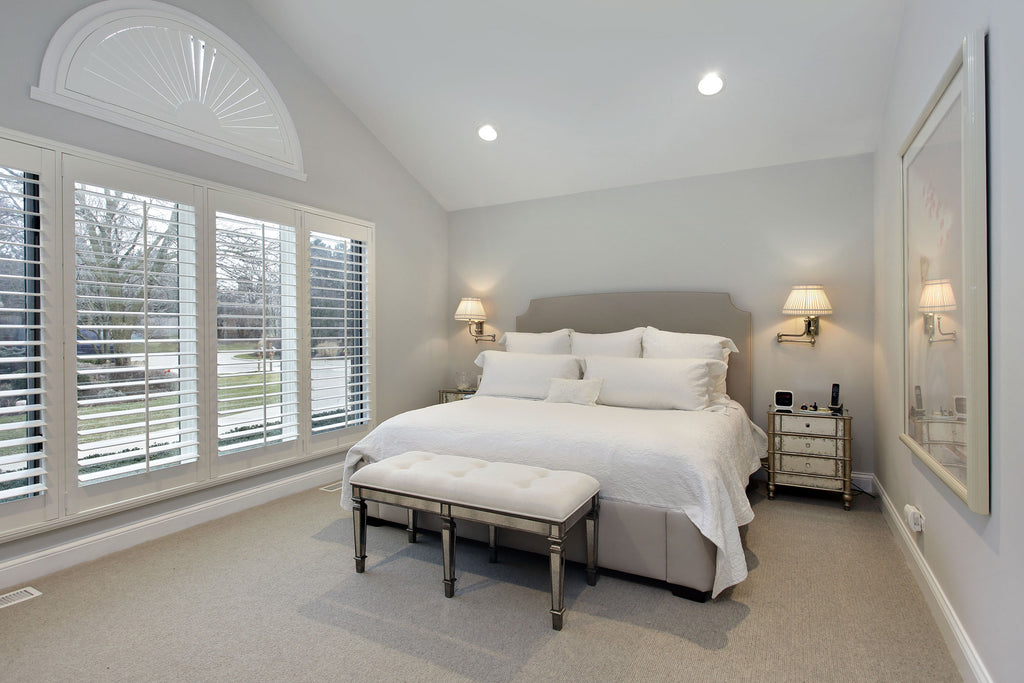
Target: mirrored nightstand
point(810, 450)
point(449, 395)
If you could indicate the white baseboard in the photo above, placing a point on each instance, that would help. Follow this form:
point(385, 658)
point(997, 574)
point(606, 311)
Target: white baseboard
point(865, 481)
point(972, 668)
point(34, 565)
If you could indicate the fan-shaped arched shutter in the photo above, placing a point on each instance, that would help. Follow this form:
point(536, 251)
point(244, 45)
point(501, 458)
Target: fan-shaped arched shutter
point(159, 69)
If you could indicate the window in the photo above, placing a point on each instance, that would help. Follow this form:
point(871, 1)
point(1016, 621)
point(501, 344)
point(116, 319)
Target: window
point(257, 347)
point(339, 319)
point(22, 456)
point(167, 335)
point(136, 333)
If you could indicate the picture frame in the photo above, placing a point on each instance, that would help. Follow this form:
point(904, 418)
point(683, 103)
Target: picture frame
point(944, 223)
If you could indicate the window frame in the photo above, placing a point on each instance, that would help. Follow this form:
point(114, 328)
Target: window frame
point(333, 440)
point(258, 209)
point(103, 494)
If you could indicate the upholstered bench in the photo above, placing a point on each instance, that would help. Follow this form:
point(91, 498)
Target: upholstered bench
point(498, 494)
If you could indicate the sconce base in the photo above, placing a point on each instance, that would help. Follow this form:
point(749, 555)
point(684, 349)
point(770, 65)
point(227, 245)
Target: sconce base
point(808, 336)
point(476, 330)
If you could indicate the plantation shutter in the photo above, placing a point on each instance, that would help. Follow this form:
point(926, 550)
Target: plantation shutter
point(257, 333)
point(339, 331)
point(136, 333)
point(22, 452)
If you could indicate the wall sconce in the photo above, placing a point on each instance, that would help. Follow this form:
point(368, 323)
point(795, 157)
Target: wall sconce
point(470, 310)
point(809, 301)
point(937, 297)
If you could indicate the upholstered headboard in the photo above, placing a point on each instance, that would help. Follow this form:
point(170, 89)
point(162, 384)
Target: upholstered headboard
point(703, 312)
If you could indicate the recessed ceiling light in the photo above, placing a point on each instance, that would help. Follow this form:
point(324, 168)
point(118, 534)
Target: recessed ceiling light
point(487, 133)
point(711, 84)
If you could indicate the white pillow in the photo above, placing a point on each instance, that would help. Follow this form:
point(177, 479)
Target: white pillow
point(538, 342)
point(625, 343)
point(660, 344)
point(523, 375)
point(656, 383)
point(582, 391)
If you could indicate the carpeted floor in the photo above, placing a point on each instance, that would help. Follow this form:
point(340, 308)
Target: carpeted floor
point(271, 594)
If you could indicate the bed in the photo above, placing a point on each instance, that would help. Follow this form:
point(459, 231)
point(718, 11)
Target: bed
point(673, 481)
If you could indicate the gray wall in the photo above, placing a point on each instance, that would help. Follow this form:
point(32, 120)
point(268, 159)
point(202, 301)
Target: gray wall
point(975, 559)
point(348, 171)
point(751, 233)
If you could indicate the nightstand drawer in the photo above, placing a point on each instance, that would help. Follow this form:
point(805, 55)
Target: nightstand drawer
point(824, 425)
point(796, 464)
point(809, 482)
point(812, 445)
point(947, 431)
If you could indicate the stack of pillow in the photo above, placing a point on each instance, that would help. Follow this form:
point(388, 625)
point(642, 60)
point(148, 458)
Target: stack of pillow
point(640, 368)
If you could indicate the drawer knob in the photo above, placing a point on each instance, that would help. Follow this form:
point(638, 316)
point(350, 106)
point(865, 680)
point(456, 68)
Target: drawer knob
point(807, 465)
point(807, 425)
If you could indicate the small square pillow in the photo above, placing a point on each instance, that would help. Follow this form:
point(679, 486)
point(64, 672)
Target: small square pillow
point(656, 383)
point(538, 342)
point(625, 343)
point(523, 375)
point(582, 391)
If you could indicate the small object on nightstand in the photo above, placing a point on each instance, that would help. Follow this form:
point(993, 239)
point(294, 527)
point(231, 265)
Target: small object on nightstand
point(810, 450)
point(449, 395)
point(783, 401)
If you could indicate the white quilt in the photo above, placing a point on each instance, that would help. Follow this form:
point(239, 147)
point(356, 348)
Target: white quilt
point(698, 462)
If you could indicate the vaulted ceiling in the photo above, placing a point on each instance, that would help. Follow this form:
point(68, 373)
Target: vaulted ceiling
point(593, 94)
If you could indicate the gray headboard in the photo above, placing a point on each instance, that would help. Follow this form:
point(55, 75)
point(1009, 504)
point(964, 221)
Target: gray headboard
point(703, 312)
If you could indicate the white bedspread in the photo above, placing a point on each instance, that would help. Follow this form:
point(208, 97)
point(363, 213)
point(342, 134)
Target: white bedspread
point(697, 462)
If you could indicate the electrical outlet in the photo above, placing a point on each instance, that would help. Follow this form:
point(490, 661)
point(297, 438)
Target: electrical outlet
point(915, 518)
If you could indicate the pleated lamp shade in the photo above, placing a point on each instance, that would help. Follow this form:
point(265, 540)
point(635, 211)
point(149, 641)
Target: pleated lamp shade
point(807, 300)
point(471, 310)
point(937, 296)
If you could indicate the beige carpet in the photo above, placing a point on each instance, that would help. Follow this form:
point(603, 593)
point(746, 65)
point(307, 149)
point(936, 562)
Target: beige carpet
point(271, 594)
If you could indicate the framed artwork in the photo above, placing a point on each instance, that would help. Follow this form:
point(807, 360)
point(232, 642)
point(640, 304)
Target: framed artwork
point(943, 171)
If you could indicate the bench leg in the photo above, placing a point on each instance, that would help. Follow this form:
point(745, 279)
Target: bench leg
point(592, 529)
point(359, 533)
point(448, 550)
point(492, 542)
point(412, 525)
point(557, 582)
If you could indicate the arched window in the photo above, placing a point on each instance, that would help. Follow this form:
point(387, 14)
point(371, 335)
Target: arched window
point(164, 71)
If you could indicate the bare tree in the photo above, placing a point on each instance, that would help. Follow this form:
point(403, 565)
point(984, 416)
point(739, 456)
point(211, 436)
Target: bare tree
point(126, 265)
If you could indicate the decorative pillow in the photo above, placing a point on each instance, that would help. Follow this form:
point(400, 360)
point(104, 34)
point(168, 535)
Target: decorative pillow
point(538, 342)
point(660, 344)
point(523, 375)
point(627, 343)
point(582, 391)
point(656, 383)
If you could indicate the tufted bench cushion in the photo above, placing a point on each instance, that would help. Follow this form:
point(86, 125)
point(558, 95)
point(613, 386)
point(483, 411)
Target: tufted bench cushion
point(498, 494)
point(507, 487)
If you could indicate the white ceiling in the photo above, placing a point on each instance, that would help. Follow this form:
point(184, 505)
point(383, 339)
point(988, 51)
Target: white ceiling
point(593, 94)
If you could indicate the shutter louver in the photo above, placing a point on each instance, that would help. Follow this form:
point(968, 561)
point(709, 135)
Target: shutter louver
point(22, 445)
point(136, 330)
point(257, 337)
point(339, 332)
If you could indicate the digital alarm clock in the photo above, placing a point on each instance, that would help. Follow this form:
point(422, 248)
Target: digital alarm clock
point(783, 401)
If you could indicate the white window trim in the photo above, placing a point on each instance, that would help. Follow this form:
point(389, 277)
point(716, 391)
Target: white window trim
point(54, 511)
point(65, 46)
